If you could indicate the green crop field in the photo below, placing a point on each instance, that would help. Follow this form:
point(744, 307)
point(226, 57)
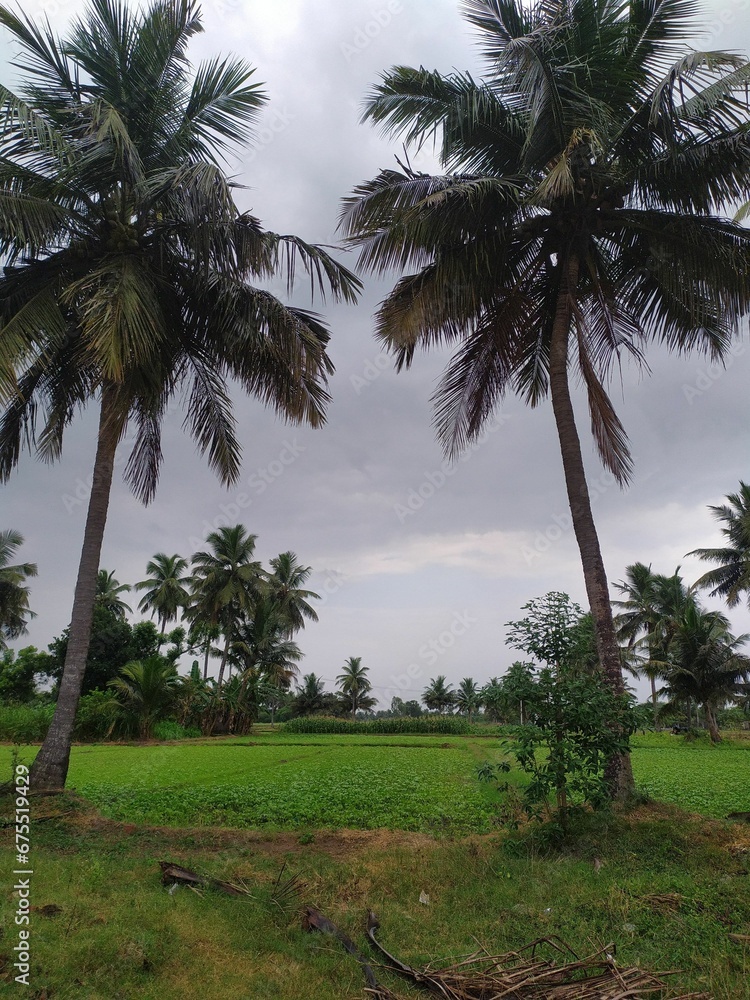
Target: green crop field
point(429, 784)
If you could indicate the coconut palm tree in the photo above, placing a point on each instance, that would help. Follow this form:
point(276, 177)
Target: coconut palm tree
point(355, 685)
point(705, 663)
point(731, 577)
point(262, 646)
point(580, 217)
point(14, 595)
point(438, 696)
point(129, 266)
point(286, 587)
point(309, 698)
point(108, 591)
point(647, 618)
point(468, 697)
point(166, 587)
point(226, 583)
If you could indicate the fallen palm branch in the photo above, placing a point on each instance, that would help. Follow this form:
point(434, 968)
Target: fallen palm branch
point(523, 975)
point(173, 874)
point(314, 920)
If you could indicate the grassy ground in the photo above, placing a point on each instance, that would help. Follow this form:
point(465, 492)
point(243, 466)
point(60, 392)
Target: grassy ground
point(665, 888)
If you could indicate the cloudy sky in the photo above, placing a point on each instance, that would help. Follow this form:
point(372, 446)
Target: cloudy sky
point(420, 564)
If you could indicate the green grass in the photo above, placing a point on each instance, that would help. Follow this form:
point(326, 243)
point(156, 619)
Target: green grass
point(119, 935)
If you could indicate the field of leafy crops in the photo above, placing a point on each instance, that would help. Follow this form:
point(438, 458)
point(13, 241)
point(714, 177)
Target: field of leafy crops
point(278, 781)
point(712, 780)
point(286, 785)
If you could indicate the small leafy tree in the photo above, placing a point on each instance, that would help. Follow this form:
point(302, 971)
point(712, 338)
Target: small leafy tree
point(572, 715)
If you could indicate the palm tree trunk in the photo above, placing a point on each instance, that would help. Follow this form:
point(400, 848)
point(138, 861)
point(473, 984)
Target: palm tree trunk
point(205, 659)
point(50, 769)
point(618, 772)
point(713, 725)
point(223, 664)
point(654, 700)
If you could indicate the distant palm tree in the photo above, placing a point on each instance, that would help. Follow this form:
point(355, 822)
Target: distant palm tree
point(261, 644)
point(705, 663)
point(354, 685)
point(166, 587)
point(310, 697)
point(131, 278)
point(148, 688)
point(14, 595)
point(647, 618)
point(731, 578)
point(438, 696)
point(286, 586)
point(226, 582)
point(108, 591)
point(468, 697)
point(581, 215)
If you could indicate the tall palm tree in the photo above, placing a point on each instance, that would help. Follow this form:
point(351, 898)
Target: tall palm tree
point(705, 663)
point(579, 218)
point(129, 266)
point(438, 696)
point(355, 685)
point(468, 697)
point(166, 587)
point(731, 577)
point(226, 583)
point(14, 594)
point(108, 591)
point(286, 587)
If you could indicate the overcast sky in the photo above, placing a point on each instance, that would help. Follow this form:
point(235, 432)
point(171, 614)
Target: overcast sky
point(420, 570)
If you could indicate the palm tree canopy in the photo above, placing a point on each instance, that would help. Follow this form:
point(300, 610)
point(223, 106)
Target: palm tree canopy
point(286, 586)
point(166, 586)
point(594, 161)
point(731, 577)
point(226, 580)
point(706, 662)
point(108, 591)
point(438, 695)
point(353, 679)
point(14, 595)
point(129, 265)
point(262, 644)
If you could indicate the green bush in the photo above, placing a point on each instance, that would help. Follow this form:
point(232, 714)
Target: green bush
point(168, 729)
point(98, 714)
point(25, 723)
point(425, 725)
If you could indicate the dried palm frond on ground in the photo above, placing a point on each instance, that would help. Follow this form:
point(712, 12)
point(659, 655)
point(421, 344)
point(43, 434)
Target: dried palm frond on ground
point(523, 975)
point(516, 975)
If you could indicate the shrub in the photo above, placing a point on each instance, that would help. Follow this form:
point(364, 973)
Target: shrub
point(168, 729)
point(442, 725)
point(25, 723)
point(98, 714)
